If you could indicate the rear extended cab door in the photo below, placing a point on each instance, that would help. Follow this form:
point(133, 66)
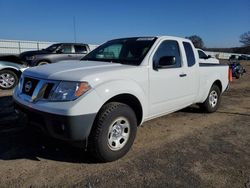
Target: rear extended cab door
point(175, 86)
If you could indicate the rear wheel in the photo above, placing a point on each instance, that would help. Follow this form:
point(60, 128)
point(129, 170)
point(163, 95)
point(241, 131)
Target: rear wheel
point(113, 133)
point(42, 63)
point(8, 79)
point(212, 102)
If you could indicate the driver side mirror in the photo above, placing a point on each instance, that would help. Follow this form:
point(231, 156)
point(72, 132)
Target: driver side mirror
point(209, 56)
point(164, 62)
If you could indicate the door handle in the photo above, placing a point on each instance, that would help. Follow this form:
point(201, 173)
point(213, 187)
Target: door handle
point(69, 55)
point(183, 75)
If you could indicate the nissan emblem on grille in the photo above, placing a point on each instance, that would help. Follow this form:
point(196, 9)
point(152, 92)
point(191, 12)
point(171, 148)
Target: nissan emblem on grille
point(28, 86)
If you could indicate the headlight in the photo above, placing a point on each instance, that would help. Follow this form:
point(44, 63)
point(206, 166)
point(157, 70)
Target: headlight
point(68, 91)
point(30, 58)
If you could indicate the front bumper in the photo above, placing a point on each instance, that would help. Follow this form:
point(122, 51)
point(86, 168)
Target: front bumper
point(63, 127)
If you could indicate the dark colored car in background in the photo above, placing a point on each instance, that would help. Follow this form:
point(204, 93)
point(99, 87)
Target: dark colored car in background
point(239, 57)
point(54, 53)
point(244, 57)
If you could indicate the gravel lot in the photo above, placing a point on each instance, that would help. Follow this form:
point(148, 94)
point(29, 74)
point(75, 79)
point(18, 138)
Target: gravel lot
point(183, 149)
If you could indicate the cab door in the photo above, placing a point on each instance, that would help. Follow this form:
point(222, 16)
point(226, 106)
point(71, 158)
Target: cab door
point(65, 52)
point(167, 79)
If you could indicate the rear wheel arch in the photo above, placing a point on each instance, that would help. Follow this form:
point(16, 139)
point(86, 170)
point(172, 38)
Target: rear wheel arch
point(43, 60)
point(213, 99)
point(219, 84)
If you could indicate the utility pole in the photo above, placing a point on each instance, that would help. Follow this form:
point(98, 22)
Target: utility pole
point(74, 25)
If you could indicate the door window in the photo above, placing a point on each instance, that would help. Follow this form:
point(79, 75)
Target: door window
point(80, 49)
point(66, 49)
point(168, 54)
point(189, 54)
point(202, 55)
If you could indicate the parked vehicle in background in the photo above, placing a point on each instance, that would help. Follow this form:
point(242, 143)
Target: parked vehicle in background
point(10, 74)
point(239, 57)
point(237, 69)
point(55, 53)
point(115, 88)
point(204, 58)
point(244, 57)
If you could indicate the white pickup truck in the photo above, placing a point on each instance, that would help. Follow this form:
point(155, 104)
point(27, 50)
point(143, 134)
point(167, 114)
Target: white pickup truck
point(103, 98)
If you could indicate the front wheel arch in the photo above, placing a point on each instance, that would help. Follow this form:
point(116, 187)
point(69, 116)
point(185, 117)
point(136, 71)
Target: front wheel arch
point(130, 100)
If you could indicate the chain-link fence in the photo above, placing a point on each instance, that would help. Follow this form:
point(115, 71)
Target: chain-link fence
point(18, 46)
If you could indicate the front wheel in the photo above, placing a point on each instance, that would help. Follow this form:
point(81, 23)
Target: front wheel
point(8, 79)
point(212, 102)
point(113, 133)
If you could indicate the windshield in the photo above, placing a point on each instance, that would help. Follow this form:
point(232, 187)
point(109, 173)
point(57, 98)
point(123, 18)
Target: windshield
point(126, 51)
point(52, 48)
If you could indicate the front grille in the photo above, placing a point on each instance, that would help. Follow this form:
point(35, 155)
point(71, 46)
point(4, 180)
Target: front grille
point(48, 89)
point(29, 85)
point(34, 89)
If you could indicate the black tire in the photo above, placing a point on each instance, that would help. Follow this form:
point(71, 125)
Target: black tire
point(13, 79)
point(100, 137)
point(40, 63)
point(208, 106)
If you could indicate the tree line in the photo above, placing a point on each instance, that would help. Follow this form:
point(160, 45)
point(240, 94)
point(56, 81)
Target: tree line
point(244, 49)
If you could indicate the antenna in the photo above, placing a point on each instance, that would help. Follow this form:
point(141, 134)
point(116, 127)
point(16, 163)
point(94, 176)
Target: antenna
point(74, 25)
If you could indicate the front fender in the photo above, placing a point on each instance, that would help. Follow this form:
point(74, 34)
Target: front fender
point(113, 88)
point(9, 65)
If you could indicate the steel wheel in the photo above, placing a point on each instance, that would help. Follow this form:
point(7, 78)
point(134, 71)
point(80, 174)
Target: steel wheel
point(118, 134)
point(213, 99)
point(113, 133)
point(7, 80)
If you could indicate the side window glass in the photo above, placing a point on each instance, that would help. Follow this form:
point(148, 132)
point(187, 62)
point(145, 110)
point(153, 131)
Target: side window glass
point(168, 55)
point(202, 55)
point(80, 49)
point(189, 54)
point(66, 49)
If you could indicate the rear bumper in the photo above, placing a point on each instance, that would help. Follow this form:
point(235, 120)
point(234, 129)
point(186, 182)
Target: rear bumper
point(69, 128)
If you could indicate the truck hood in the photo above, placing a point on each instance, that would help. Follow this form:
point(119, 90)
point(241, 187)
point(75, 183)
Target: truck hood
point(73, 70)
point(36, 52)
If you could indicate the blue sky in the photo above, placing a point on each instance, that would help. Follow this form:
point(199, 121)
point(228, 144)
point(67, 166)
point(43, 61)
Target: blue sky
point(218, 22)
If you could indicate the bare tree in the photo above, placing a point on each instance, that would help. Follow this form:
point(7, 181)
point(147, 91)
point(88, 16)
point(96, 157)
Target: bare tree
point(197, 41)
point(245, 38)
